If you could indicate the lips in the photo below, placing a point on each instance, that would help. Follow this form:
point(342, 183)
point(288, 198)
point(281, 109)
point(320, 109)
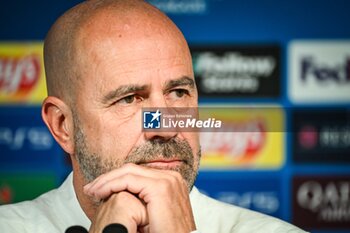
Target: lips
point(163, 163)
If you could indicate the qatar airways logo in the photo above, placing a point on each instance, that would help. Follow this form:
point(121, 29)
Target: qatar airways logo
point(329, 201)
point(159, 120)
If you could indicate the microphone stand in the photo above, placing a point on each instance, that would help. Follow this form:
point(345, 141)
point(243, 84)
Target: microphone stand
point(111, 228)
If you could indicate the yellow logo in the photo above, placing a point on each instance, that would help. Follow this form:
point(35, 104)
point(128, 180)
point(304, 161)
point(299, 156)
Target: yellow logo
point(252, 138)
point(22, 76)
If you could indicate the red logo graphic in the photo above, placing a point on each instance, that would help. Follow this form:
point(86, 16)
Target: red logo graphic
point(308, 137)
point(5, 195)
point(19, 75)
point(243, 141)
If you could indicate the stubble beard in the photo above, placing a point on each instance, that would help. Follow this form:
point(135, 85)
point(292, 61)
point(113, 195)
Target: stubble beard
point(93, 165)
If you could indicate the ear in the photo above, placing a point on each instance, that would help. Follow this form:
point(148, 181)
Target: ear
point(58, 118)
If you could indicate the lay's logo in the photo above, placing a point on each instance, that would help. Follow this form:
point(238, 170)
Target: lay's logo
point(22, 77)
point(242, 144)
point(19, 75)
point(250, 137)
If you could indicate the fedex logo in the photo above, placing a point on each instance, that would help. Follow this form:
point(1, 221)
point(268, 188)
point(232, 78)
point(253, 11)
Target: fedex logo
point(339, 73)
point(319, 71)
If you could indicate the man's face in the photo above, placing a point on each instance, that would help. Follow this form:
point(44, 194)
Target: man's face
point(120, 74)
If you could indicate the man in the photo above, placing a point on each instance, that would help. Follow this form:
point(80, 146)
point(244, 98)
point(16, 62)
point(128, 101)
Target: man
point(105, 61)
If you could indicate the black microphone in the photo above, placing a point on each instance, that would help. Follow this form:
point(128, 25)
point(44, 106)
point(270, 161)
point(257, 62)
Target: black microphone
point(76, 229)
point(114, 228)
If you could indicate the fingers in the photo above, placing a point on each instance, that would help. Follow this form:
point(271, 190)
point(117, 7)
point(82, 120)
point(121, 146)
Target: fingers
point(117, 173)
point(127, 182)
point(123, 208)
point(163, 193)
point(132, 178)
point(135, 169)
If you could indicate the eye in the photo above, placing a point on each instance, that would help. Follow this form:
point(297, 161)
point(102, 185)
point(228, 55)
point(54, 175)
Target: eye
point(127, 99)
point(179, 92)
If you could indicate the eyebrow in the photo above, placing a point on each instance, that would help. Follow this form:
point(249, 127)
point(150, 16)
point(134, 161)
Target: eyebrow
point(126, 89)
point(123, 90)
point(183, 81)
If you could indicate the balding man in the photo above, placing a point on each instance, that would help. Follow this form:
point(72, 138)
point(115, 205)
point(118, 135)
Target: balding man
point(104, 62)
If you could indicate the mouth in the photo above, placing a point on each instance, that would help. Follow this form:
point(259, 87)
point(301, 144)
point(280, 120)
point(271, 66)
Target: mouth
point(163, 163)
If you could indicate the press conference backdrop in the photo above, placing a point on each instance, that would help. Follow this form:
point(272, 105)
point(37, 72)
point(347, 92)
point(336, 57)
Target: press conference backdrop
point(293, 56)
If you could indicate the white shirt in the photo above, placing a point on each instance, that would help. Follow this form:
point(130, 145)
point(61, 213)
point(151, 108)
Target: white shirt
point(55, 211)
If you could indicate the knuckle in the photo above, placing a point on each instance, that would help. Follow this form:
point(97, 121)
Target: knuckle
point(164, 186)
point(129, 165)
point(177, 175)
point(123, 196)
point(125, 178)
point(100, 177)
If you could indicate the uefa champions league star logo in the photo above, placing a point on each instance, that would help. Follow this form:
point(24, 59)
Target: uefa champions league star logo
point(151, 120)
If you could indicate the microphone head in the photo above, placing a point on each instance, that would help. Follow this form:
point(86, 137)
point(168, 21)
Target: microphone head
point(115, 228)
point(76, 229)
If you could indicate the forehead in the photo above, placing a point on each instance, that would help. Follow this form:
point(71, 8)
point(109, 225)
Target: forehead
point(131, 24)
point(130, 51)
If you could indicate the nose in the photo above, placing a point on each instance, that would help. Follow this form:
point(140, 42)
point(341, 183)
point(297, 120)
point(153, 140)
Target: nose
point(162, 134)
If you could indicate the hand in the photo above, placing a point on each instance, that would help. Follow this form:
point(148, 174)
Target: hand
point(123, 208)
point(164, 193)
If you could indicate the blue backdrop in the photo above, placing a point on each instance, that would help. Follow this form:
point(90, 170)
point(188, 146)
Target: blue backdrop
point(25, 147)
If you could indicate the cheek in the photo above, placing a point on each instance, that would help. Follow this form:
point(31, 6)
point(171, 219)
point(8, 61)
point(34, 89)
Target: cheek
point(110, 137)
point(193, 139)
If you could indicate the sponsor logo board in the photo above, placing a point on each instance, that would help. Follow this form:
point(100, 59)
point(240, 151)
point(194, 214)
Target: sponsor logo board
point(231, 137)
point(321, 135)
point(248, 138)
point(22, 76)
point(25, 138)
point(181, 6)
point(20, 187)
point(237, 71)
point(321, 202)
point(256, 193)
point(319, 71)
